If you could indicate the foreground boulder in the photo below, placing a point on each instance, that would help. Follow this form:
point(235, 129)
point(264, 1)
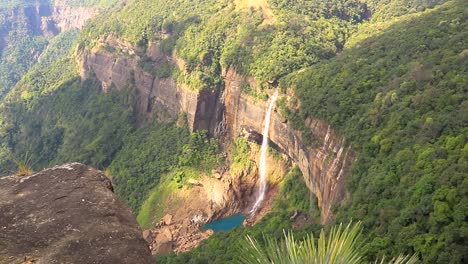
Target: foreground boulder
point(67, 214)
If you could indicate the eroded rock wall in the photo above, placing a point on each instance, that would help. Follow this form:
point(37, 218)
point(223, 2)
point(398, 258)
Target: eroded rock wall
point(66, 16)
point(227, 114)
point(24, 20)
point(324, 167)
point(159, 97)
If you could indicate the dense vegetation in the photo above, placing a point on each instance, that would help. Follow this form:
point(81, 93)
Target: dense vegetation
point(211, 36)
point(23, 40)
point(198, 156)
point(391, 76)
point(20, 46)
point(400, 98)
point(93, 3)
point(72, 123)
point(158, 149)
point(41, 118)
point(26, 3)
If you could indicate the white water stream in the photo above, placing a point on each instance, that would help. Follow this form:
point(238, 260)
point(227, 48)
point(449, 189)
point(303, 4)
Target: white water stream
point(263, 153)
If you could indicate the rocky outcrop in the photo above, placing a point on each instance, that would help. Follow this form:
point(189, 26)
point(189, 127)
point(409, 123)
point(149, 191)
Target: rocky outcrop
point(24, 20)
point(66, 16)
point(154, 96)
point(227, 113)
point(67, 214)
point(27, 16)
point(180, 237)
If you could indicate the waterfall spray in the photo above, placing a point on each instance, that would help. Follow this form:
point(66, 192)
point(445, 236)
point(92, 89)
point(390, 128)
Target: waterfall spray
point(263, 154)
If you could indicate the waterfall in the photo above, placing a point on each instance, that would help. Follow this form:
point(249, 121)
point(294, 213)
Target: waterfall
point(263, 154)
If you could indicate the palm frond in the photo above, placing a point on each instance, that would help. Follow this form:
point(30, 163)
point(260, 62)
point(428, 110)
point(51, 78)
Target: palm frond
point(343, 246)
point(402, 259)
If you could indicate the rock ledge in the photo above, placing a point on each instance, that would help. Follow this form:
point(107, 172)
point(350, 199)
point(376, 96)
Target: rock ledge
point(67, 214)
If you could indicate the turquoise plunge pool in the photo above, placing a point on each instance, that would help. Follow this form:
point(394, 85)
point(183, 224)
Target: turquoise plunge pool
point(225, 224)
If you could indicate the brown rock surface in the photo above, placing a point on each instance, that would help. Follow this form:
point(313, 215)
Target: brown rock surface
point(167, 219)
point(67, 214)
point(163, 241)
point(147, 235)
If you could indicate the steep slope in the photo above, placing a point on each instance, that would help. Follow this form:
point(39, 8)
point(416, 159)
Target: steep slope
point(26, 27)
point(227, 114)
point(398, 93)
point(262, 5)
point(399, 96)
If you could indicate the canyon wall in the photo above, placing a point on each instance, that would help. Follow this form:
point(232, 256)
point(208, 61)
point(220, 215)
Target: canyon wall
point(26, 27)
point(226, 114)
point(42, 18)
point(161, 98)
point(66, 16)
point(158, 97)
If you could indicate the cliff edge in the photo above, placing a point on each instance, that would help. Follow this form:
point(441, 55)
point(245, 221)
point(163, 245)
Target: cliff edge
point(67, 214)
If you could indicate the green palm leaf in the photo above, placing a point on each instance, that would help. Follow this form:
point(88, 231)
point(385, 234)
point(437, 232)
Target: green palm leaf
point(343, 246)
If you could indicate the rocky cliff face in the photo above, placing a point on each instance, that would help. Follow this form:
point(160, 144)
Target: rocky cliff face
point(162, 97)
point(324, 167)
point(40, 18)
point(67, 214)
point(66, 17)
point(26, 27)
point(227, 114)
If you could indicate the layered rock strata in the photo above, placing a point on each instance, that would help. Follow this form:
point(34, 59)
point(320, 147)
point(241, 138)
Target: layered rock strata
point(162, 97)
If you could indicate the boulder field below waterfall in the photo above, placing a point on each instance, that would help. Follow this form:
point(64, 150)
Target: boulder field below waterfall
point(67, 214)
point(222, 193)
